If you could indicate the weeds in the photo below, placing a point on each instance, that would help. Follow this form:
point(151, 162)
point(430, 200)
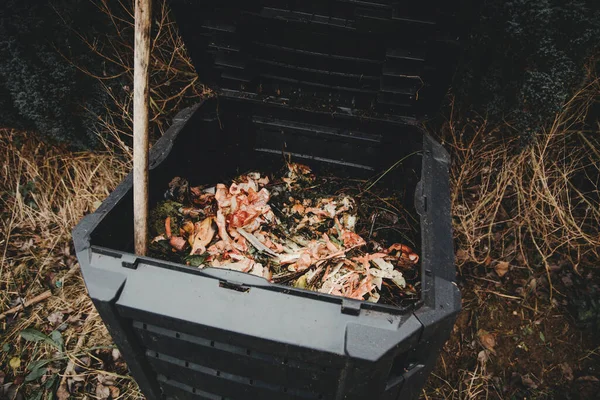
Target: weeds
point(507, 200)
point(536, 208)
point(45, 192)
point(173, 80)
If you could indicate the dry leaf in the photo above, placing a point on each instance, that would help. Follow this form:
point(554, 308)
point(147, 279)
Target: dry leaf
point(501, 268)
point(106, 380)
point(588, 378)
point(528, 382)
point(56, 318)
point(102, 392)
point(116, 354)
point(10, 391)
point(62, 393)
point(483, 357)
point(114, 392)
point(567, 371)
point(462, 255)
point(487, 340)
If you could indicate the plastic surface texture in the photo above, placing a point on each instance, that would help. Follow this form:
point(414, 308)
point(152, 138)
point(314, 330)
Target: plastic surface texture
point(214, 333)
point(381, 57)
point(218, 334)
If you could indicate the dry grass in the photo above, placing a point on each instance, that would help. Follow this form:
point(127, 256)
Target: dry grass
point(508, 200)
point(45, 192)
point(173, 80)
point(536, 206)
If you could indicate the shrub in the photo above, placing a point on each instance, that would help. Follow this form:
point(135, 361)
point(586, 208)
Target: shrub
point(40, 87)
point(525, 59)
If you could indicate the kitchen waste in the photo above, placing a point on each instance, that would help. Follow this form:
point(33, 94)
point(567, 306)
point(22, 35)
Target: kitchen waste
point(324, 234)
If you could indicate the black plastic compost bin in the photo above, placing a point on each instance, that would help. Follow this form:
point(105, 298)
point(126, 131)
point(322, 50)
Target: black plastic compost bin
point(341, 86)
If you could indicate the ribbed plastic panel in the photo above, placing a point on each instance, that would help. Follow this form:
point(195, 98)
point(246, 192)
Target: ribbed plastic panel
point(221, 367)
point(375, 56)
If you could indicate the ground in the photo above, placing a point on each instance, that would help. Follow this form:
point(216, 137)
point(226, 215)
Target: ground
point(538, 349)
point(526, 239)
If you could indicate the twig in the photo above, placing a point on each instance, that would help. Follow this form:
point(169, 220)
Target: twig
point(35, 300)
point(501, 294)
point(71, 365)
point(68, 274)
point(389, 169)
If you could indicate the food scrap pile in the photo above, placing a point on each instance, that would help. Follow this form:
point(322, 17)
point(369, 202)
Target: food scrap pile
point(289, 229)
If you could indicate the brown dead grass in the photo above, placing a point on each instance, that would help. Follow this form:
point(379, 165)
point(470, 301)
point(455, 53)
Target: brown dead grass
point(45, 192)
point(173, 80)
point(508, 200)
point(537, 207)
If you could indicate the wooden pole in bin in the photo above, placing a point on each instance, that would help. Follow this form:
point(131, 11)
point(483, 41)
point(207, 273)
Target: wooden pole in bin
point(141, 92)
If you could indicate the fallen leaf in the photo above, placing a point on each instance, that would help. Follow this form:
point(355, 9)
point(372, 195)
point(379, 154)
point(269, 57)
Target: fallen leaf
point(95, 205)
point(114, 392)
point(528, 382)
point(487, 340)
point(484, 356)
point(57, 338)
point(33, 335)
point(567, 371)
point(301, 282)
point(15, 362)
point(62, 393)
point(106, 380)
point(588, 378)
point(10, 391)
point(102, 392)
point(462, 255)
point(35, 374)
point(501, 268)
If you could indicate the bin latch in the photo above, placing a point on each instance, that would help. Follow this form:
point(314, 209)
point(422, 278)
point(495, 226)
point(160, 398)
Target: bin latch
point(130, 261)
point(238, 287)
point(350, 307)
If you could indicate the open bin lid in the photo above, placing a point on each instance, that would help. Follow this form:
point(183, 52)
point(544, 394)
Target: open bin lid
point(371, 58)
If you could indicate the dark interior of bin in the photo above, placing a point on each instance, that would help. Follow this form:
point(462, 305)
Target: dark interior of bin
point(227, 137)
point(377, 57)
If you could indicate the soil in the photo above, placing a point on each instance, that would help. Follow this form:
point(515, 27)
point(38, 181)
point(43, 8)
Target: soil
point(546, 347)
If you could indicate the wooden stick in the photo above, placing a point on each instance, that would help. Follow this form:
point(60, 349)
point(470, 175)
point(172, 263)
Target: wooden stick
point(141, 64)
point(30, 302)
